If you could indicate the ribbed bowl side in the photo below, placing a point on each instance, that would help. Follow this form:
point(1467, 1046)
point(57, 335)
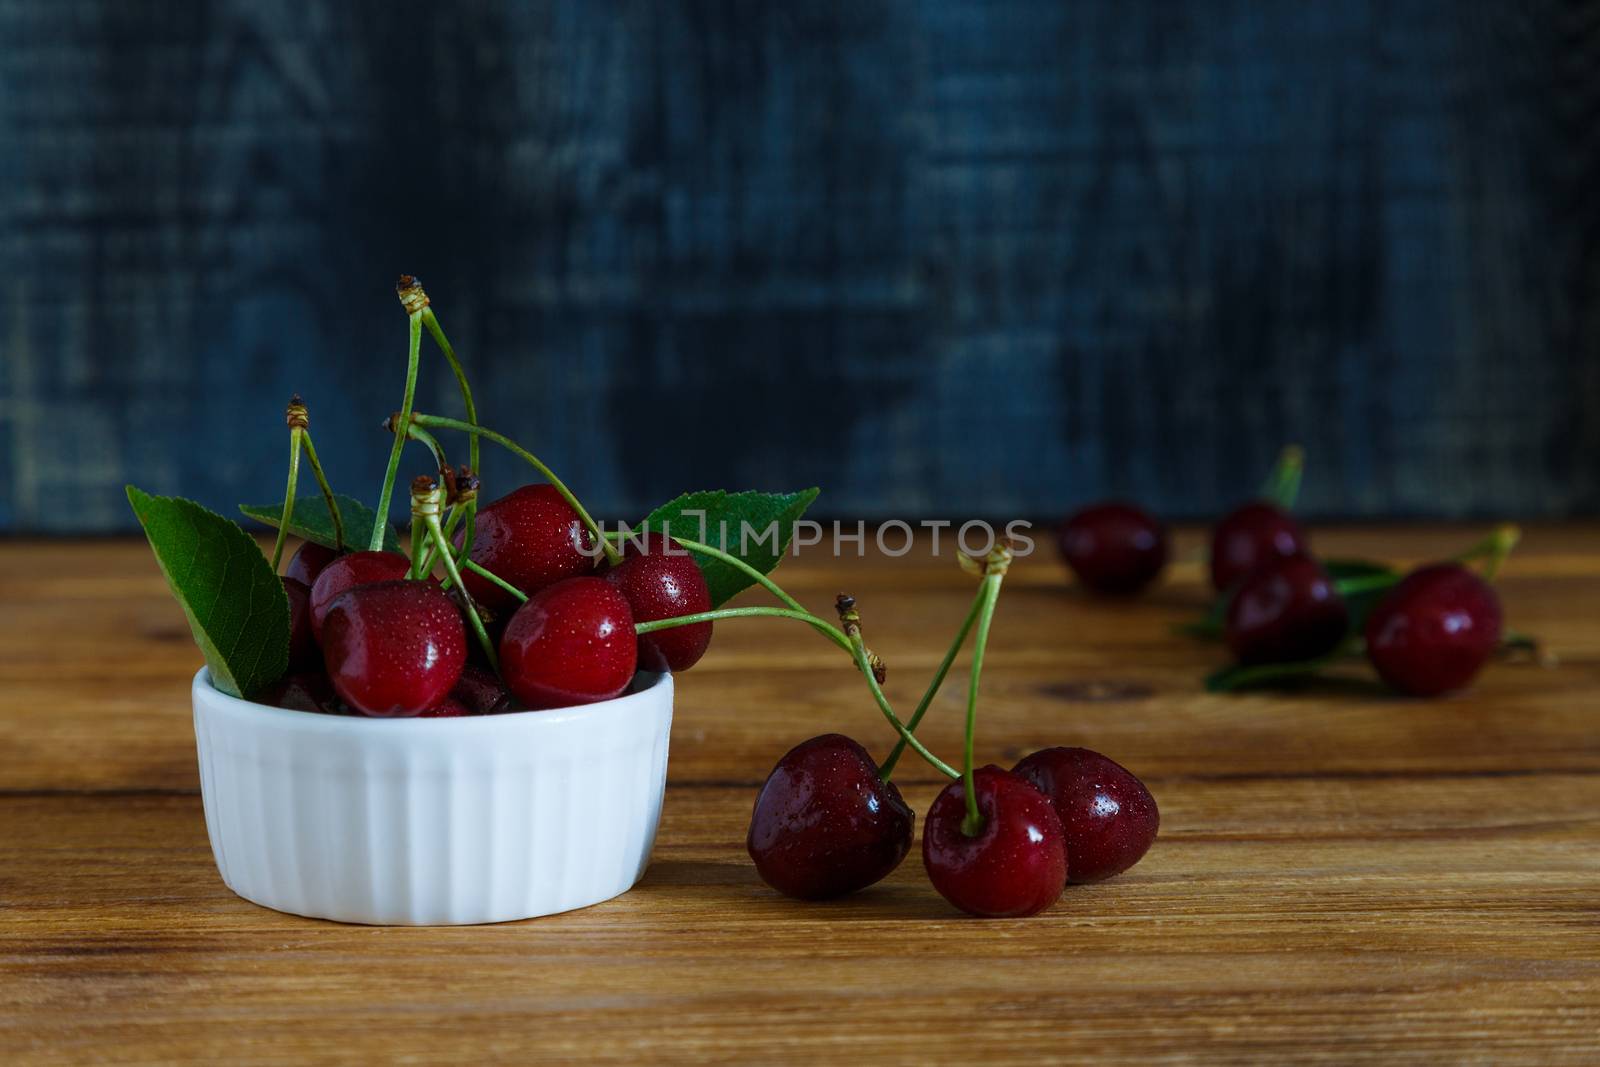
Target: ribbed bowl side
point(440, 821)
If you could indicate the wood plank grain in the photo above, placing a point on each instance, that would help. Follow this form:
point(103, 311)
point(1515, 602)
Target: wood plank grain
point(1342, 875)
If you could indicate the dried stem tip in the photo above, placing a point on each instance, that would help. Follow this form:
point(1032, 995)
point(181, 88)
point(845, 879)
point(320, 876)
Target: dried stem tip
point(996, 562)
point(460, 485)
point(426, 497)
point(295, 414)
point(850, 619)
point(409, 290)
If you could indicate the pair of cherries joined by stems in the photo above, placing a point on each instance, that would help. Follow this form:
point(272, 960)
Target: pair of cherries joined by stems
point(1427, 633)
point(995, 843)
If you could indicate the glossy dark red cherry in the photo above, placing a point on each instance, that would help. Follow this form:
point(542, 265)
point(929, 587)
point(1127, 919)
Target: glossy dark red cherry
point(348, 571)
point(571, 643)
point(1434, 630)
point(1250, 536)
point(394, 648)
point(1108, 816)
point(304, 655)
point(479, 691)
point(664, 583)
point(308, 691)
point(1283, 611)
point(1113, 548)
point(825, 824)
point(308, 561)
point(1017, 863)
point(451, 707)
point(531, 538)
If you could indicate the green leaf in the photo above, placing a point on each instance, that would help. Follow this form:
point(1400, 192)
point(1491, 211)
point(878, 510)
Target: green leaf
point(1235, 677)
point(312, 521)
point(235, 604)
point(755, 527)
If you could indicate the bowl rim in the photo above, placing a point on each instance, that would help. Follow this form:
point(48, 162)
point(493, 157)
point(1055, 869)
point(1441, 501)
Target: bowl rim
point(650, 686)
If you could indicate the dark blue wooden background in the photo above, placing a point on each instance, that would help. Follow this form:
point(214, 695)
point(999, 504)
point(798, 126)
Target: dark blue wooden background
point(943, 259)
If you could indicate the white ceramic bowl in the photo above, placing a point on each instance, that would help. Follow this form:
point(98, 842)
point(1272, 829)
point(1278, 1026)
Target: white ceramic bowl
point(433, 821)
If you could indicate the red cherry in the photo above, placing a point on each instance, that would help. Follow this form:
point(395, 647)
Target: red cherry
point(1249, 537)
point(480, 692)
point(531, 538)
point(1015, 866)
point(394, 648)
point(310, 691)
point(572, 643)
point(1113, 548)
point(1283, 611)
point(304, 655)
point(349, 571)
point(450, 707)
point(308, 561)
point(1108, 816)
point(1434, 630)
point(825, 824)
point(663, 582)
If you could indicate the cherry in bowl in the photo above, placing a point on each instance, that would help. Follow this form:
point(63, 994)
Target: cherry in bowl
point(662, 581)
point(348, 571)
point(394, 648)
point(531, 538)
point(571, 643)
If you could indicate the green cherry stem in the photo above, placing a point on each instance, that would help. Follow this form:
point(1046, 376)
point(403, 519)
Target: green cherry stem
point(1364, 583)
point(988, 594)
point(421, 567)
point(417, 433)
point(828, 630)
point(487, 574)
point(441, 422)
point(380, 519)
point(1495, 548)
point(934, 685)
point(858, 648)
point(452, 521)
point(295, 415)
point(821, 626)
point(431, 321)
point(1282, 486)
point(327, 490)
point(426, 502)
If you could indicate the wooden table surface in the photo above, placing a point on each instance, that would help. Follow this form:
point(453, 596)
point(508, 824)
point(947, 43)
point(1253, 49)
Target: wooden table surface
point(1341, 875)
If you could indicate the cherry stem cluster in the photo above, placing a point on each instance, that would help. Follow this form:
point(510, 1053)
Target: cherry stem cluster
point(427, 500)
